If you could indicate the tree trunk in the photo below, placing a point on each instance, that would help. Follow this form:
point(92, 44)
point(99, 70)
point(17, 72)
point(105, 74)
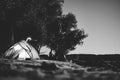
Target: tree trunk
point(12, 35)
point(60, 56)
point(39, 48)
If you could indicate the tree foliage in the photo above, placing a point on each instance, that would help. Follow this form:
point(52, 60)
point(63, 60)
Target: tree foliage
point(42, 20)
point(67, 36)
point(22, 18)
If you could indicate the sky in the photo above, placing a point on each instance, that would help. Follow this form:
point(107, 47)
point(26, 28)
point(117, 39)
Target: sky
point(101, 20)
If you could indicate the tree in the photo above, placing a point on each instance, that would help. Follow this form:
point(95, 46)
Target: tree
point(66, 37)
point(23, 18)
point(11, 14)
point(42, 20)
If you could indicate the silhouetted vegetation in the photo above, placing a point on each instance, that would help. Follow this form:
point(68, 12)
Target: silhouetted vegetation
point(43, 21)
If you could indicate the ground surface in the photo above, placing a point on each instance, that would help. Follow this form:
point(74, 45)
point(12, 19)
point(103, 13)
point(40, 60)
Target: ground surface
point(51, 70)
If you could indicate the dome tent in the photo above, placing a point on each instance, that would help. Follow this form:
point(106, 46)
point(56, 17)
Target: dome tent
point(22, 51)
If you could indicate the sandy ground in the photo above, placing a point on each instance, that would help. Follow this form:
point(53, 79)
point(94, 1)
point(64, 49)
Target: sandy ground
point(51, 70)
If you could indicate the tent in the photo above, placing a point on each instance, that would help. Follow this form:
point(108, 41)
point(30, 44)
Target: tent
point(22, 51)
point(45, 50)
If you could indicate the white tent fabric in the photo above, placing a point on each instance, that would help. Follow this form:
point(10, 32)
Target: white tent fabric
point(44, 50)
point(22, 50)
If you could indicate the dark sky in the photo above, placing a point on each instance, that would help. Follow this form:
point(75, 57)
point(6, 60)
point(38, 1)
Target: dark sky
point(101, 20)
